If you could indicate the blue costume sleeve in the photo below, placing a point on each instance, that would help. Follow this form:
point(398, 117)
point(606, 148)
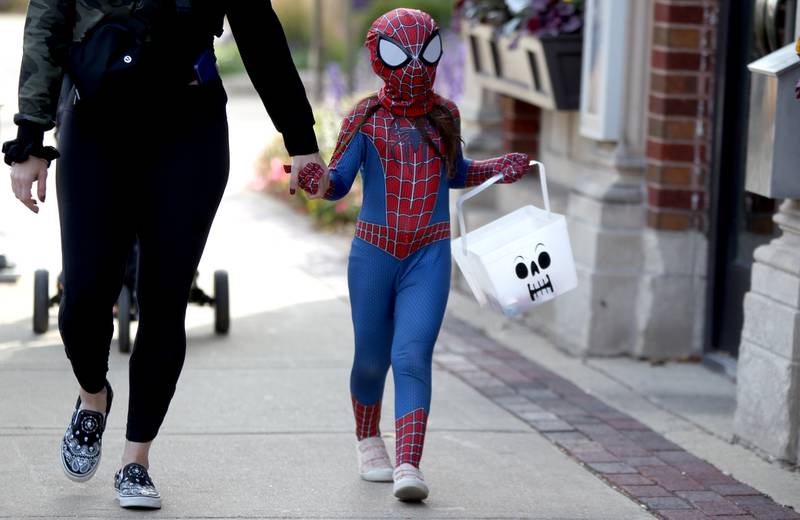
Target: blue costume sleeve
point(462, 167)
point(344, 172)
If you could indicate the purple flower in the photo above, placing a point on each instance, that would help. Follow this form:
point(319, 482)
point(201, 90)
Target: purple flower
point(450, 74)
point(555, 17)
point(337, 87)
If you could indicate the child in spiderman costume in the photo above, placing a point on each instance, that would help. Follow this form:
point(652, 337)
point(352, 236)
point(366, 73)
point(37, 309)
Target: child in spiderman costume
point(406, 142)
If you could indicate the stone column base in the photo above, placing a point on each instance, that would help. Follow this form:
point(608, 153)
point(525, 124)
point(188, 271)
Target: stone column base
point(768, 379)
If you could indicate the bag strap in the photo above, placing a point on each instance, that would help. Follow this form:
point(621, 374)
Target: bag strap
point(144, 13)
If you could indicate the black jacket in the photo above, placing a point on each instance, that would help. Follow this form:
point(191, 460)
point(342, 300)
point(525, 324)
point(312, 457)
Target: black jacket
point(52, 26)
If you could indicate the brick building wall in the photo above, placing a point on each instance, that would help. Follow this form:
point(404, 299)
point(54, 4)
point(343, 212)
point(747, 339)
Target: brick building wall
point(521, 122)
point(680, 113)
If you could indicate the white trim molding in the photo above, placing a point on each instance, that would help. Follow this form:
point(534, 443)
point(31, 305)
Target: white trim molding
point(604, 42)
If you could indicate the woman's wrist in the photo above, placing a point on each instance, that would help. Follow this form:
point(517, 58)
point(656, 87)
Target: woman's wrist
point(300, 141)
point(30, 137)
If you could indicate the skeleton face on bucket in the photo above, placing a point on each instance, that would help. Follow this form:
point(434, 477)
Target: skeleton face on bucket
point(535, 274)
point(405, 48)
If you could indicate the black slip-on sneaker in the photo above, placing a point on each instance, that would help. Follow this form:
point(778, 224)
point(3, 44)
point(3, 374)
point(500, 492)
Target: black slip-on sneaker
point(135, 489)
point(81, 446)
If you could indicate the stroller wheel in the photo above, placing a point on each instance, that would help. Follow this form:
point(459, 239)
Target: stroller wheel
point(41, 301)
point(222, 306)
point(124, 319)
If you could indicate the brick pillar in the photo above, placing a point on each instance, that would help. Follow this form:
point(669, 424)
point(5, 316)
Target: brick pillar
point(679, 115)
point(520, 126)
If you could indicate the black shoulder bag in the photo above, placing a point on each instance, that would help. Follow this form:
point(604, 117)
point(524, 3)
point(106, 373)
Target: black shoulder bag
point(106, 65)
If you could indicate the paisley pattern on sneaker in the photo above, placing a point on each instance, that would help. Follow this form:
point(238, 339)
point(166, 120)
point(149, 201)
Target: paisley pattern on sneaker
point(135, 488)
point(81, 446)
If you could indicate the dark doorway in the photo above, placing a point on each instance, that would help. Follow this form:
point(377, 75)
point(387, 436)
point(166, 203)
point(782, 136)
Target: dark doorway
point(739, 221)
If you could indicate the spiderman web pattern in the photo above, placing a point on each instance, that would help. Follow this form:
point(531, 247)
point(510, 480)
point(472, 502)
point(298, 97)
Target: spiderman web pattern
point(368, 419)
point(410, 437)
point(409, 89)
point(350, 126)
point(309, 176)
point(512, 166)
point(413, 173)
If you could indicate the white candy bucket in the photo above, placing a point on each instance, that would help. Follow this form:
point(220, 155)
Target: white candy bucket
point(518, 261)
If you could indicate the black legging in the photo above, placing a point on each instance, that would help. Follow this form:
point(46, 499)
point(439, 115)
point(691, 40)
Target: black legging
point(156, 173)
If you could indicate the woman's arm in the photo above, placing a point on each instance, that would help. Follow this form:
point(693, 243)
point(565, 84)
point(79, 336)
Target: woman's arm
point(48, 35)
point(268, 61)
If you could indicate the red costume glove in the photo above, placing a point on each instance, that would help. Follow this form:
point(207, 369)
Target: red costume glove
point(511, 165)
point(514, 166)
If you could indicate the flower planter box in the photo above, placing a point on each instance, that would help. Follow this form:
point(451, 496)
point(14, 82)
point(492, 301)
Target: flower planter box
point(544, 71)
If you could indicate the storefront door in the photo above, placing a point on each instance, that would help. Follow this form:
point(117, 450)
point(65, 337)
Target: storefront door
point(739, 221)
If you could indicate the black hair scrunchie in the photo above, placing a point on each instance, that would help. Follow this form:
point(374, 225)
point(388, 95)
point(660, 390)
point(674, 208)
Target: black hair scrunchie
point(18, 151)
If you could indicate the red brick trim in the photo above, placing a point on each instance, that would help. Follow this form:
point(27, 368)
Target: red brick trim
point(640, 463)
point(679, 112)
point(521, 126)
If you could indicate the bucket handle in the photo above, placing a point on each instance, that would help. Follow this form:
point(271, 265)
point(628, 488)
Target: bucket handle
point(488, 182)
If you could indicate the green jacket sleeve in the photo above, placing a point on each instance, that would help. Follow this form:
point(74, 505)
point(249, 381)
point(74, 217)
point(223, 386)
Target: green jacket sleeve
point(48, 35)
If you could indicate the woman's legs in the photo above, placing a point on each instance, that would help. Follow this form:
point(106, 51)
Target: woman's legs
point(371, 278)
point(178, 195)
point(96, 237)
point(422, 293)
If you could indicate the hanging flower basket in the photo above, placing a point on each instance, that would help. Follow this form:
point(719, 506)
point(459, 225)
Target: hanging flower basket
point(542, 70)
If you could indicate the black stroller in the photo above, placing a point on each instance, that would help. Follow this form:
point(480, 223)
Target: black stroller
point(126, 309)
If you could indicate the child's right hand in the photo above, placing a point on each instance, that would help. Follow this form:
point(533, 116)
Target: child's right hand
point(299, 163)
point(309, 177)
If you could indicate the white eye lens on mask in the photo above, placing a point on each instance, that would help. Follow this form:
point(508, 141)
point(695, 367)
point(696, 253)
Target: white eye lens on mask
point(433, 50)
point(391, 54)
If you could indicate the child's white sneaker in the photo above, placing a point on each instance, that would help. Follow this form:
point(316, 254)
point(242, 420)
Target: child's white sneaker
point(409, 484)
point(373, 460)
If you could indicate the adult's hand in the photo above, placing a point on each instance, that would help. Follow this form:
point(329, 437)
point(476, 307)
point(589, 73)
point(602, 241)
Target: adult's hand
point(23, 175)
point(298, 163)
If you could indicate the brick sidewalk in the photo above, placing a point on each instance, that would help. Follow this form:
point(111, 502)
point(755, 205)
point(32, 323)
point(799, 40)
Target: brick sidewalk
point(658, 474)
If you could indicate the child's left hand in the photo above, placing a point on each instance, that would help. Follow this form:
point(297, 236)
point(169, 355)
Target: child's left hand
point(513, 166)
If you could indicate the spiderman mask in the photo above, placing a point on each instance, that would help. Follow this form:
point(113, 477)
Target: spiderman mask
point(405, 47)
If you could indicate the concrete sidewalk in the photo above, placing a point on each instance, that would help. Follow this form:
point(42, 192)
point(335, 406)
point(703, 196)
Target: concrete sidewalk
point(260, 426)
